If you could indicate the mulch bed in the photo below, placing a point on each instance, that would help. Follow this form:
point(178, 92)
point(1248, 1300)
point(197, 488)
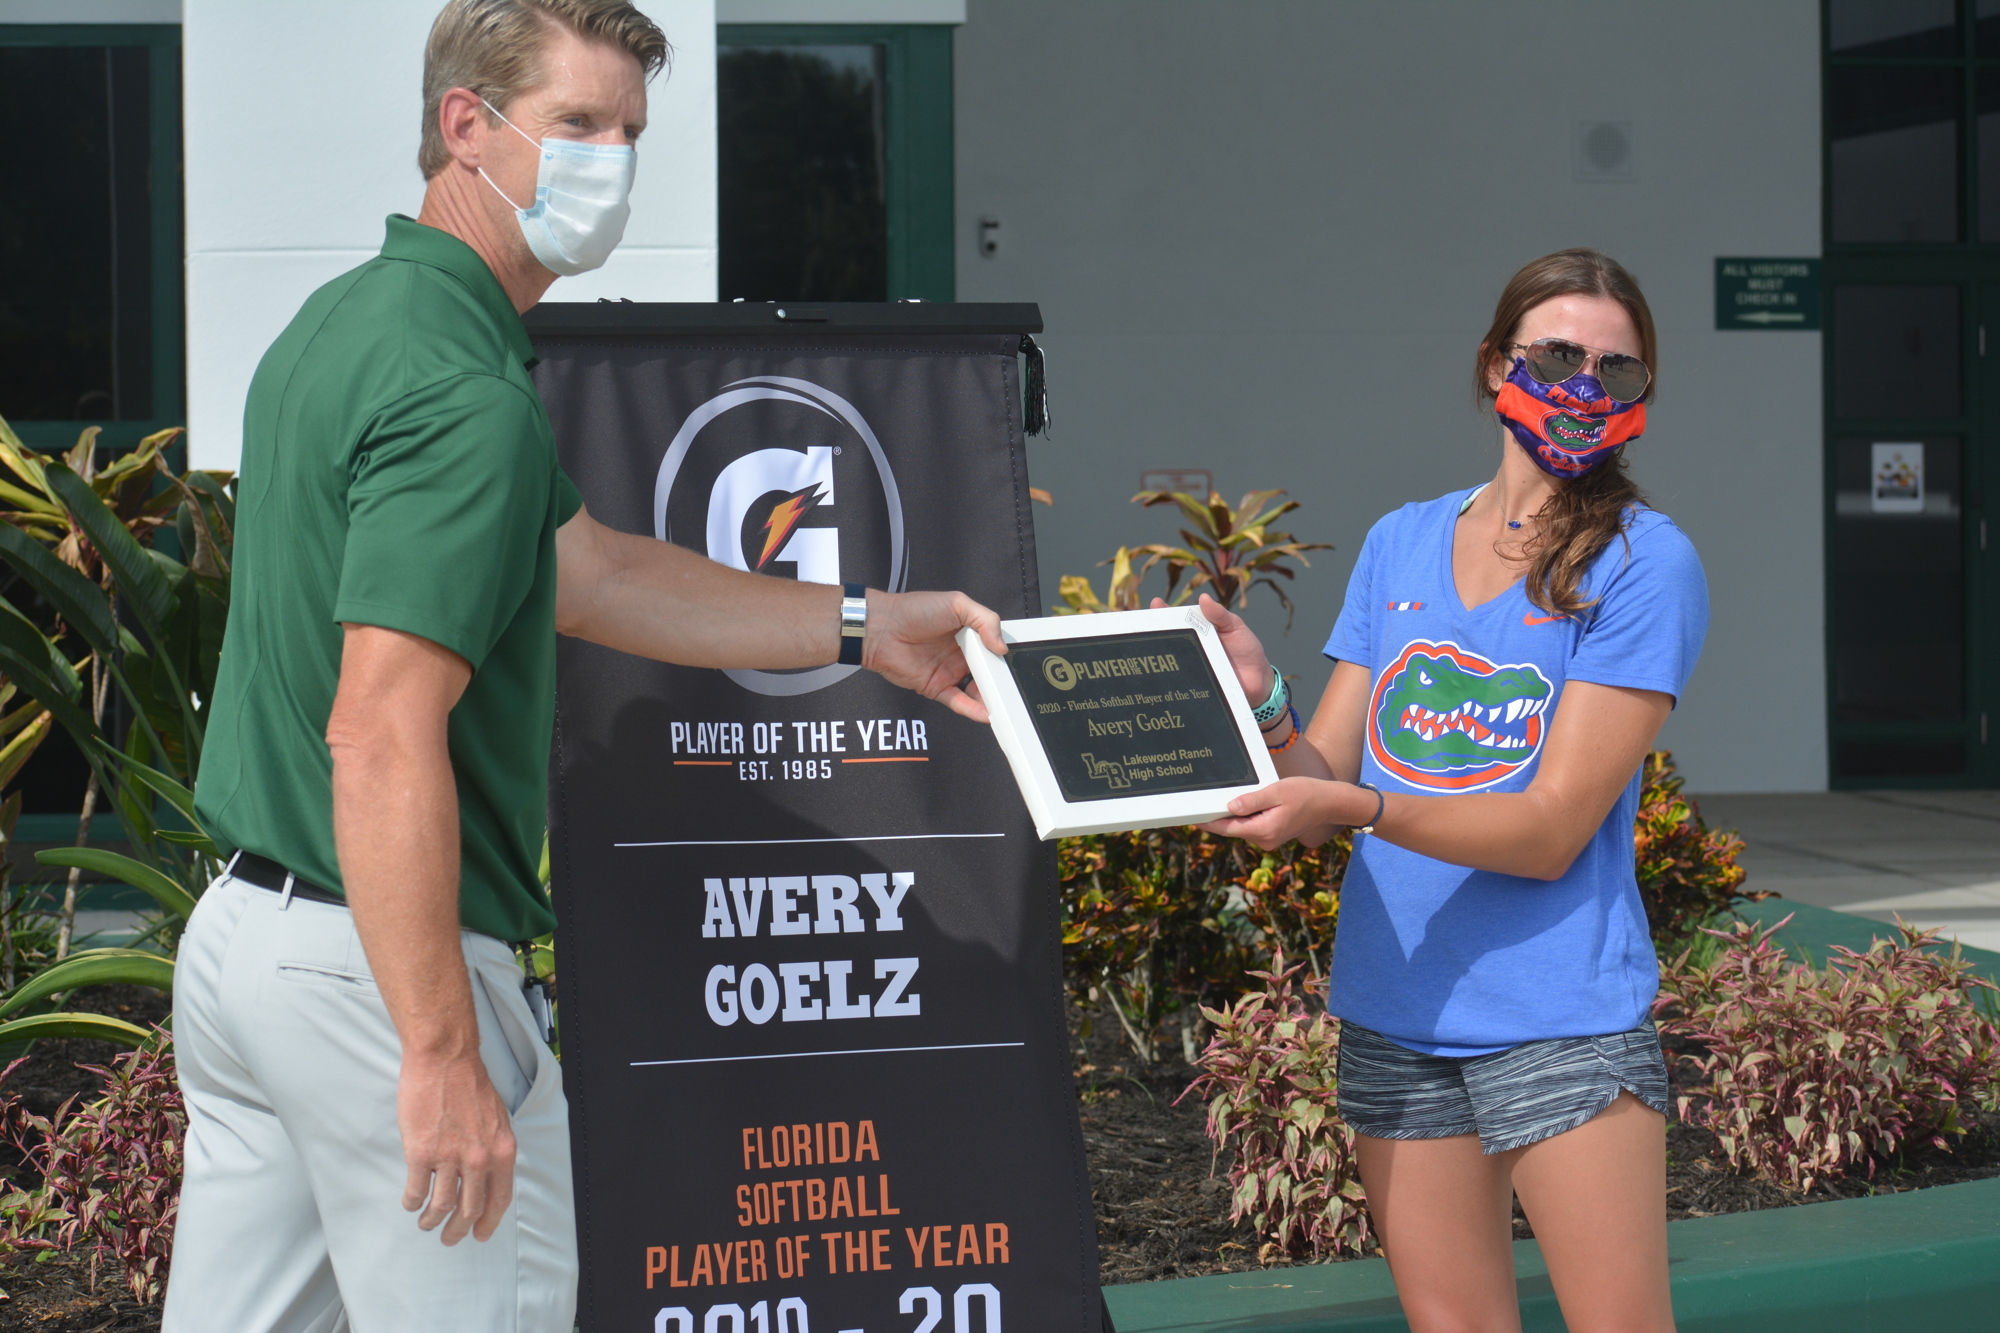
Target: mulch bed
point(1160, 1214)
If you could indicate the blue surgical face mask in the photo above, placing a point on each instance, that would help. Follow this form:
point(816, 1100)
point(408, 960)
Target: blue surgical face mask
point(583, 195)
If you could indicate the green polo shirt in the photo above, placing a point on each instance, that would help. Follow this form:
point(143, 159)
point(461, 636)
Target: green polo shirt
point(398, 470)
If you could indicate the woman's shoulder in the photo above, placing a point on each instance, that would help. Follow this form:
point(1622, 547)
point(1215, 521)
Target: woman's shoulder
point(1421, 515)
point(1651, 545)
point(1661, 537)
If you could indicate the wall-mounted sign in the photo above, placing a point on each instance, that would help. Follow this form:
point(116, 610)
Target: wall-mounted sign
point(1896, 478)
point(1195, 481)
point(1767, 293)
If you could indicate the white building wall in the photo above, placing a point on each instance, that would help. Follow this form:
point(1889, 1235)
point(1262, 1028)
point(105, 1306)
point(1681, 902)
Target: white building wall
point(1266, 238)
point(302, 120)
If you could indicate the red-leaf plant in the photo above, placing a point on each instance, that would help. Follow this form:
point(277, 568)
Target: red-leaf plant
point(1270, 1068)
point(111, 1170)
point(1810, 1074)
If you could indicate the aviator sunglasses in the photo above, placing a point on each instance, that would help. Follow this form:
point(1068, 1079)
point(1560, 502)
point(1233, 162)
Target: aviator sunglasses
point(1556, 360)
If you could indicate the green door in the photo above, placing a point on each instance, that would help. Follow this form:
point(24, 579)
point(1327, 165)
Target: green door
point(1906, 456)
point(1912, 266)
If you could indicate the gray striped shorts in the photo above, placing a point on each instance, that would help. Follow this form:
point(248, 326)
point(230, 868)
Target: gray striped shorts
point(1510, 1098)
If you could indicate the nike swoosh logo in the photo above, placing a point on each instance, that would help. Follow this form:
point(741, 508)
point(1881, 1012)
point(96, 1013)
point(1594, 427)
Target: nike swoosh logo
point(1541, 620)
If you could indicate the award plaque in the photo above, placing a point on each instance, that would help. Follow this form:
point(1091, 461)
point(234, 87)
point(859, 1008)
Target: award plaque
point(1122, 720)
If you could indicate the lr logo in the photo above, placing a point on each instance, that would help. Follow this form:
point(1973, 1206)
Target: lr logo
point(1112, 773)
point(1059, 672)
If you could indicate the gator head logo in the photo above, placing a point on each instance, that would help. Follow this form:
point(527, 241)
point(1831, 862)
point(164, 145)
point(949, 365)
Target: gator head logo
point(1449, 720)
point(1567, 428)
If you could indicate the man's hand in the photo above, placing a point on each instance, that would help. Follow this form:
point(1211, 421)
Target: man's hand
point(912, 642)
point(395, 827)
point(458, 1143)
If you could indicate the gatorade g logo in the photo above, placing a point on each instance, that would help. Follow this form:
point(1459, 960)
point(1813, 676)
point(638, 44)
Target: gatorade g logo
point(1446, 719)
point(783, 477)
point(1058, 672)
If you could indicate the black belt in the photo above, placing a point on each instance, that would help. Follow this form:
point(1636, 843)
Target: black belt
point(268, 874)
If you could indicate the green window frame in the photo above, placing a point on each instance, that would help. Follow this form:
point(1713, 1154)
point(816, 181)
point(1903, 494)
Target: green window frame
point(163, 44)
point(917, 184)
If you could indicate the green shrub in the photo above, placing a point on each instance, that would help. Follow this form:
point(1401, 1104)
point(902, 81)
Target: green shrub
point(1161, 921)
point(1688, 876)
point(1810, 1074)
point(1269, 1074)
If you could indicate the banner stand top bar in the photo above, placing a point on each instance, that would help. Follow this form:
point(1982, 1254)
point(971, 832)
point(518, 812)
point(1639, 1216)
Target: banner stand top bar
point(583, 319)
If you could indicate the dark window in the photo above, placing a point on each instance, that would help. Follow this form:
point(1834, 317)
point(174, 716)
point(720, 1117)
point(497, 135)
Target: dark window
point(76, 280)
point(1986, 17)
point(1899, 585)
point(1894, 27)
point(1897, 351)
point(1899, 759)
point(1894, 152)
point(800, 140)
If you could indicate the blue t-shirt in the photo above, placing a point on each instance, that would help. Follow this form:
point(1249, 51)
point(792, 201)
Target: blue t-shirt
point(1451, 961)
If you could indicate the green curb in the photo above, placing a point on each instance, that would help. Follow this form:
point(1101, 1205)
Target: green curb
point(1815, 929)
point(1920, 1259)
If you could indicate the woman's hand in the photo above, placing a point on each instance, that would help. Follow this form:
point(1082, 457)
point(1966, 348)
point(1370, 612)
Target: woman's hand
point(1308, 809)
point(1246, 653)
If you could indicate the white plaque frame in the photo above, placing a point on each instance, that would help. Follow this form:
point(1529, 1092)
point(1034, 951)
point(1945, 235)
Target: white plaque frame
point(1014, 728)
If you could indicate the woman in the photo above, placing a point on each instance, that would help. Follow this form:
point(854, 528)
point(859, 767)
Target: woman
point(1505, 657)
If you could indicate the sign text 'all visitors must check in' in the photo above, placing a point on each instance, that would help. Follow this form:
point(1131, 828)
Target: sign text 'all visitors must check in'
point(1767, 293)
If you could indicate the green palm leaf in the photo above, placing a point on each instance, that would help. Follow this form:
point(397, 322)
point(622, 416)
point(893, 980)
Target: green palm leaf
point(81, 603)
point(94, 967)
point(164, 891)
point(92, 1027)
point(141, 581)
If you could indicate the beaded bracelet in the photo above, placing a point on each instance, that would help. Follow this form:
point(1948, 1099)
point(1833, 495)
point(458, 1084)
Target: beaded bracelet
point(1292, 739)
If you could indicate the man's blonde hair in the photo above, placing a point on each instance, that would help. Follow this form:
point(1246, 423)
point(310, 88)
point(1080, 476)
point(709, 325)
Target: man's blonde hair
point(494, 47)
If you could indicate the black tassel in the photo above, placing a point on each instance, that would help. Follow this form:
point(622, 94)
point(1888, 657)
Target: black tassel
point(1037, 422)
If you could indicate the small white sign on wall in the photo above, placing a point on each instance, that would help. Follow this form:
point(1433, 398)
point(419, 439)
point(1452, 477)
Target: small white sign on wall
point(1896, 478)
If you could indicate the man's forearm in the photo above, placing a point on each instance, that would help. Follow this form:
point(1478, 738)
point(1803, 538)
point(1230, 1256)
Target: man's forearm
point(395, 823)
point(657, 600)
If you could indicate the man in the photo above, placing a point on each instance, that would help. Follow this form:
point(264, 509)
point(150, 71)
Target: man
point(354, 1043)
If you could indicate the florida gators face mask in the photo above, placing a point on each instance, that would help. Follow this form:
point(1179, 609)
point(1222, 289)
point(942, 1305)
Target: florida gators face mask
point(1567, 428)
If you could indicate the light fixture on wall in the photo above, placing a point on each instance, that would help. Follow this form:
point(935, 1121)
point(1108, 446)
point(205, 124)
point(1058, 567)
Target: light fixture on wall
point(1603, 150)
point(989, 236)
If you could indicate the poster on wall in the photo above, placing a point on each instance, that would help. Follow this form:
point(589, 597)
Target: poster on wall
point(809, 961)
point(1896, 478)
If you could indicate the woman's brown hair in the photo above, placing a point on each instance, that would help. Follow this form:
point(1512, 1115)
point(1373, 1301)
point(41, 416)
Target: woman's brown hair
point(1585, 512)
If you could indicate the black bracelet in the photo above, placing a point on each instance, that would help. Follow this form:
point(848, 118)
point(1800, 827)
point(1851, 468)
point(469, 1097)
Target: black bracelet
point(1380, 801)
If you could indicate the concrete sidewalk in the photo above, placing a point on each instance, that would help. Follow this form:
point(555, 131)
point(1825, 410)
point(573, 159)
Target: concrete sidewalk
point(1930, 857)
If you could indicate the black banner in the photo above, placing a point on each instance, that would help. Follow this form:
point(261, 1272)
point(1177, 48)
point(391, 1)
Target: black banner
point(809, 962)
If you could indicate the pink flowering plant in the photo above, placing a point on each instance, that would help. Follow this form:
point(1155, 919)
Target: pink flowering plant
point(1808, 1074)
point(1269, 1074)
point(111, 1170)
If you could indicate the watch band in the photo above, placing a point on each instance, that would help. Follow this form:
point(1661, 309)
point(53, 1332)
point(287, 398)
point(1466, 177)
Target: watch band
point(853, 622)
point(1273, 708)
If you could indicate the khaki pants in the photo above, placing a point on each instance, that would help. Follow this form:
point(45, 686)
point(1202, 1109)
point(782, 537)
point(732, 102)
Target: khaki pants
point(292, 1217)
